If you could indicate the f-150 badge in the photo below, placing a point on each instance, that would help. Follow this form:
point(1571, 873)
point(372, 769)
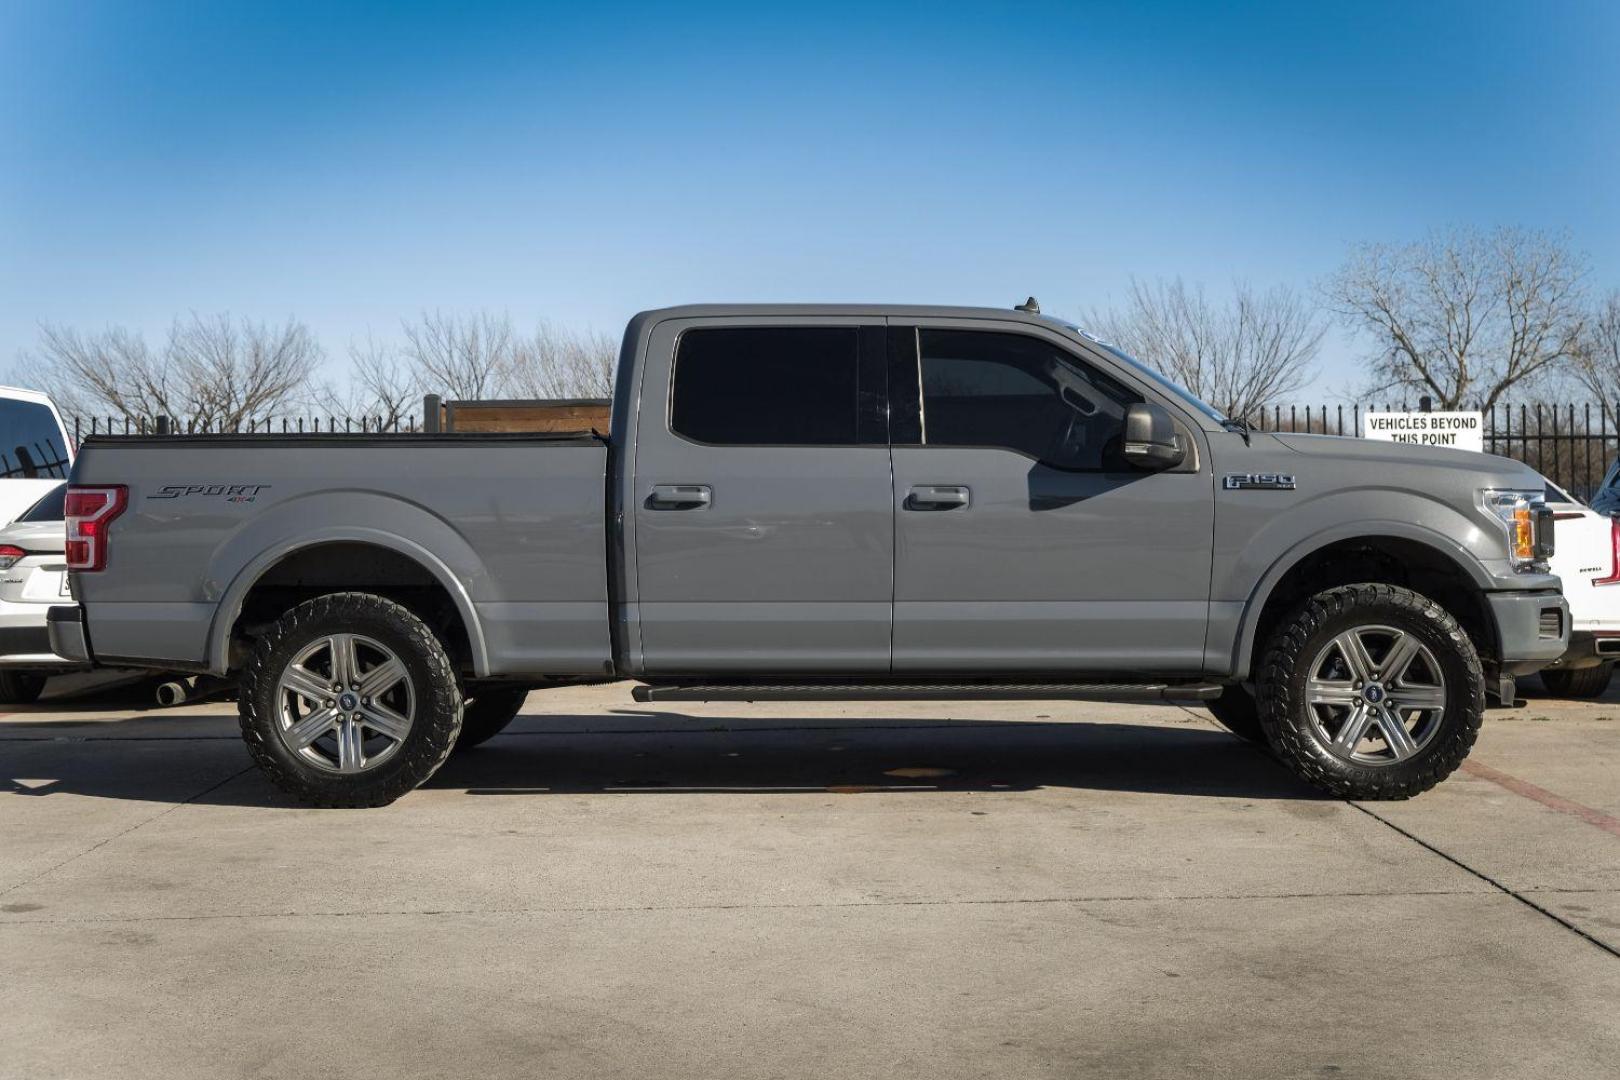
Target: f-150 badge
point(1259, 481)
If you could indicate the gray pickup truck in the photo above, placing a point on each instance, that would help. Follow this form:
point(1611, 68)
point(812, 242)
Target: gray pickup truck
point(826, 502)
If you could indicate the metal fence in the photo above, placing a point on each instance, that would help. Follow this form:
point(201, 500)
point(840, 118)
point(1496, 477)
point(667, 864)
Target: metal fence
point(86, 426)
point(1570, 444)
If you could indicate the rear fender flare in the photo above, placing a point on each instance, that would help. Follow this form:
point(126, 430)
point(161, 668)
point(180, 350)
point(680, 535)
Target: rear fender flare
point(234, 595)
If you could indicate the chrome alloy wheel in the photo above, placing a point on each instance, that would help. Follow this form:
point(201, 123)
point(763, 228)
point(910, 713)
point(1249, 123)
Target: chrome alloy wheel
point(1376, 695)
point(345, 703)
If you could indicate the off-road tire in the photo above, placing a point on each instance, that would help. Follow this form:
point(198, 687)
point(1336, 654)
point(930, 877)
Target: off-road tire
point(1237, 712)
point(433, 731)
point(1588, 682)
point(1299, 639)
point(486, 715)
point(20, 687)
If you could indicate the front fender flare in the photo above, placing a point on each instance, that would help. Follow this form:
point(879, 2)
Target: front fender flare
point(1457, 553)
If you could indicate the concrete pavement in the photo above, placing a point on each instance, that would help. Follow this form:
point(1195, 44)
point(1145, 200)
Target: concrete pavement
point(940, 890)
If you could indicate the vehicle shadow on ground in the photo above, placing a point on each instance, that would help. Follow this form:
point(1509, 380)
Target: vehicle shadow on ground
point(645, 754)
point(678, 754)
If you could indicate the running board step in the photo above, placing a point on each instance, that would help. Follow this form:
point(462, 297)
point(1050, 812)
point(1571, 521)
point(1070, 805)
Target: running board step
point(879, 691)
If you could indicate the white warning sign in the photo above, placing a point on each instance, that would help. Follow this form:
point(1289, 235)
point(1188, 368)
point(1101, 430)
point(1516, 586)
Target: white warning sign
point(1461, 430)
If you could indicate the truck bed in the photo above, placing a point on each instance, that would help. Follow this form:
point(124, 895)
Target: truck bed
point(513, 525)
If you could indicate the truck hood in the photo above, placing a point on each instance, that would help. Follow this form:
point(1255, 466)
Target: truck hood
point(1493, 469)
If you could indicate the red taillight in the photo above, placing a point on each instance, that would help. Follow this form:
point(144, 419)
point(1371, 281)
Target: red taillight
point(89, 511)
point(9, 556)
point(1613, 577)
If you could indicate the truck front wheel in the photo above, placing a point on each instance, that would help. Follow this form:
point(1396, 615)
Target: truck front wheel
point(349, 700)
point(1371, 692)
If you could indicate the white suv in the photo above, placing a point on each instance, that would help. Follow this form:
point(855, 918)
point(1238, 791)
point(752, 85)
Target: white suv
point(33, 577)
point(1587, 558)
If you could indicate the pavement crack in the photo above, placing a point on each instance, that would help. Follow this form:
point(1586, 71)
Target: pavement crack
point(608, 909)
point(104, 841)
point(1491, 881)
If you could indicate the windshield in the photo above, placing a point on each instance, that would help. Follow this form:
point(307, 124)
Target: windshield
point(49, 508)
point(1168, 385)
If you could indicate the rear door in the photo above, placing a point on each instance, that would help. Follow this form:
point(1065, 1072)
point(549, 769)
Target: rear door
point(762, 499)
point(1023, 541)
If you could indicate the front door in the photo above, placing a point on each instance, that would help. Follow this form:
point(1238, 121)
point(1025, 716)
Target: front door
point(764, 520)
point(1024, 542)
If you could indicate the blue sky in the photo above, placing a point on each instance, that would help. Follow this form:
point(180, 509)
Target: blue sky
point(353, 164)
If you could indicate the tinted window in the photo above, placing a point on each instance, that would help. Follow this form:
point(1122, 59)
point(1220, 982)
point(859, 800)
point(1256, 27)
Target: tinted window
point(30, 442)
point(50, 508)
point(1023, 394)
point(767, 386)
point(1607, 500)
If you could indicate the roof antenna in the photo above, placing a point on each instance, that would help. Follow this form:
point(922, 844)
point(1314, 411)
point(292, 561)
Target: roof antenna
point(1032, 305)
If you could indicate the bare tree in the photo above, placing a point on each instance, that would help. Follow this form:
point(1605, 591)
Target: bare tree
point(215, 371)
point(1464, 316)
point(1240, 357)
point(1597, 358)
point(383, 386)
point(557, 363)
point(466, 357)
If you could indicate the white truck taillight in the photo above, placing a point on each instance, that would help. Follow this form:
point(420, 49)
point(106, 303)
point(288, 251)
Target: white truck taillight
point(89, 511)
point(1613, 576)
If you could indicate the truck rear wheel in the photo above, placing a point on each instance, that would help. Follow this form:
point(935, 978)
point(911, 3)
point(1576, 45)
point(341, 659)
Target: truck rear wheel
point(20, 688)
point(1371, 692)
point(486, 715)
point(1586, 682)
point(349, 700)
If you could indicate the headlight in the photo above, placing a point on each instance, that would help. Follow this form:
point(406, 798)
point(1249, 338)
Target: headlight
point(1527, 522)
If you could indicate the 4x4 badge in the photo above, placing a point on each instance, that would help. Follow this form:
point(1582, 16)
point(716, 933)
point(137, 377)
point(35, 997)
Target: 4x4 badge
point(1262, 481)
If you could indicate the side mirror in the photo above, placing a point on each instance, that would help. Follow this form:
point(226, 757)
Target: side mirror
point(1150, 437)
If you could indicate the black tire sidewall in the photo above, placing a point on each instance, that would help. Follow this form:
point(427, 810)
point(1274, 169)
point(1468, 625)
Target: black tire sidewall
point(1286, 716)
point(1580, 683)
point(487, 714)
point(20, 687)
point(1237, 712)
point(438, 701)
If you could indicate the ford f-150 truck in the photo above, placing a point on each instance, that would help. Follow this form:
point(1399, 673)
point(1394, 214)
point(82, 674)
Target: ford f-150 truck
point(821, 502)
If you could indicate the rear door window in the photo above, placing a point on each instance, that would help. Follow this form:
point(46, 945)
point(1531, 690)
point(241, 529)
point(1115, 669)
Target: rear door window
point(767, 386)
point(31, 443)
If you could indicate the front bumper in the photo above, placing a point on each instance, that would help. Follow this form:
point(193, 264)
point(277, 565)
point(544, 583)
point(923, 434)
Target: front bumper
point(65, 625)
point(1531, 627)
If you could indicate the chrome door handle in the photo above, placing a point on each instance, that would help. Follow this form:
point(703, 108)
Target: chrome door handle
point(680, 497)
point(937, 497)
